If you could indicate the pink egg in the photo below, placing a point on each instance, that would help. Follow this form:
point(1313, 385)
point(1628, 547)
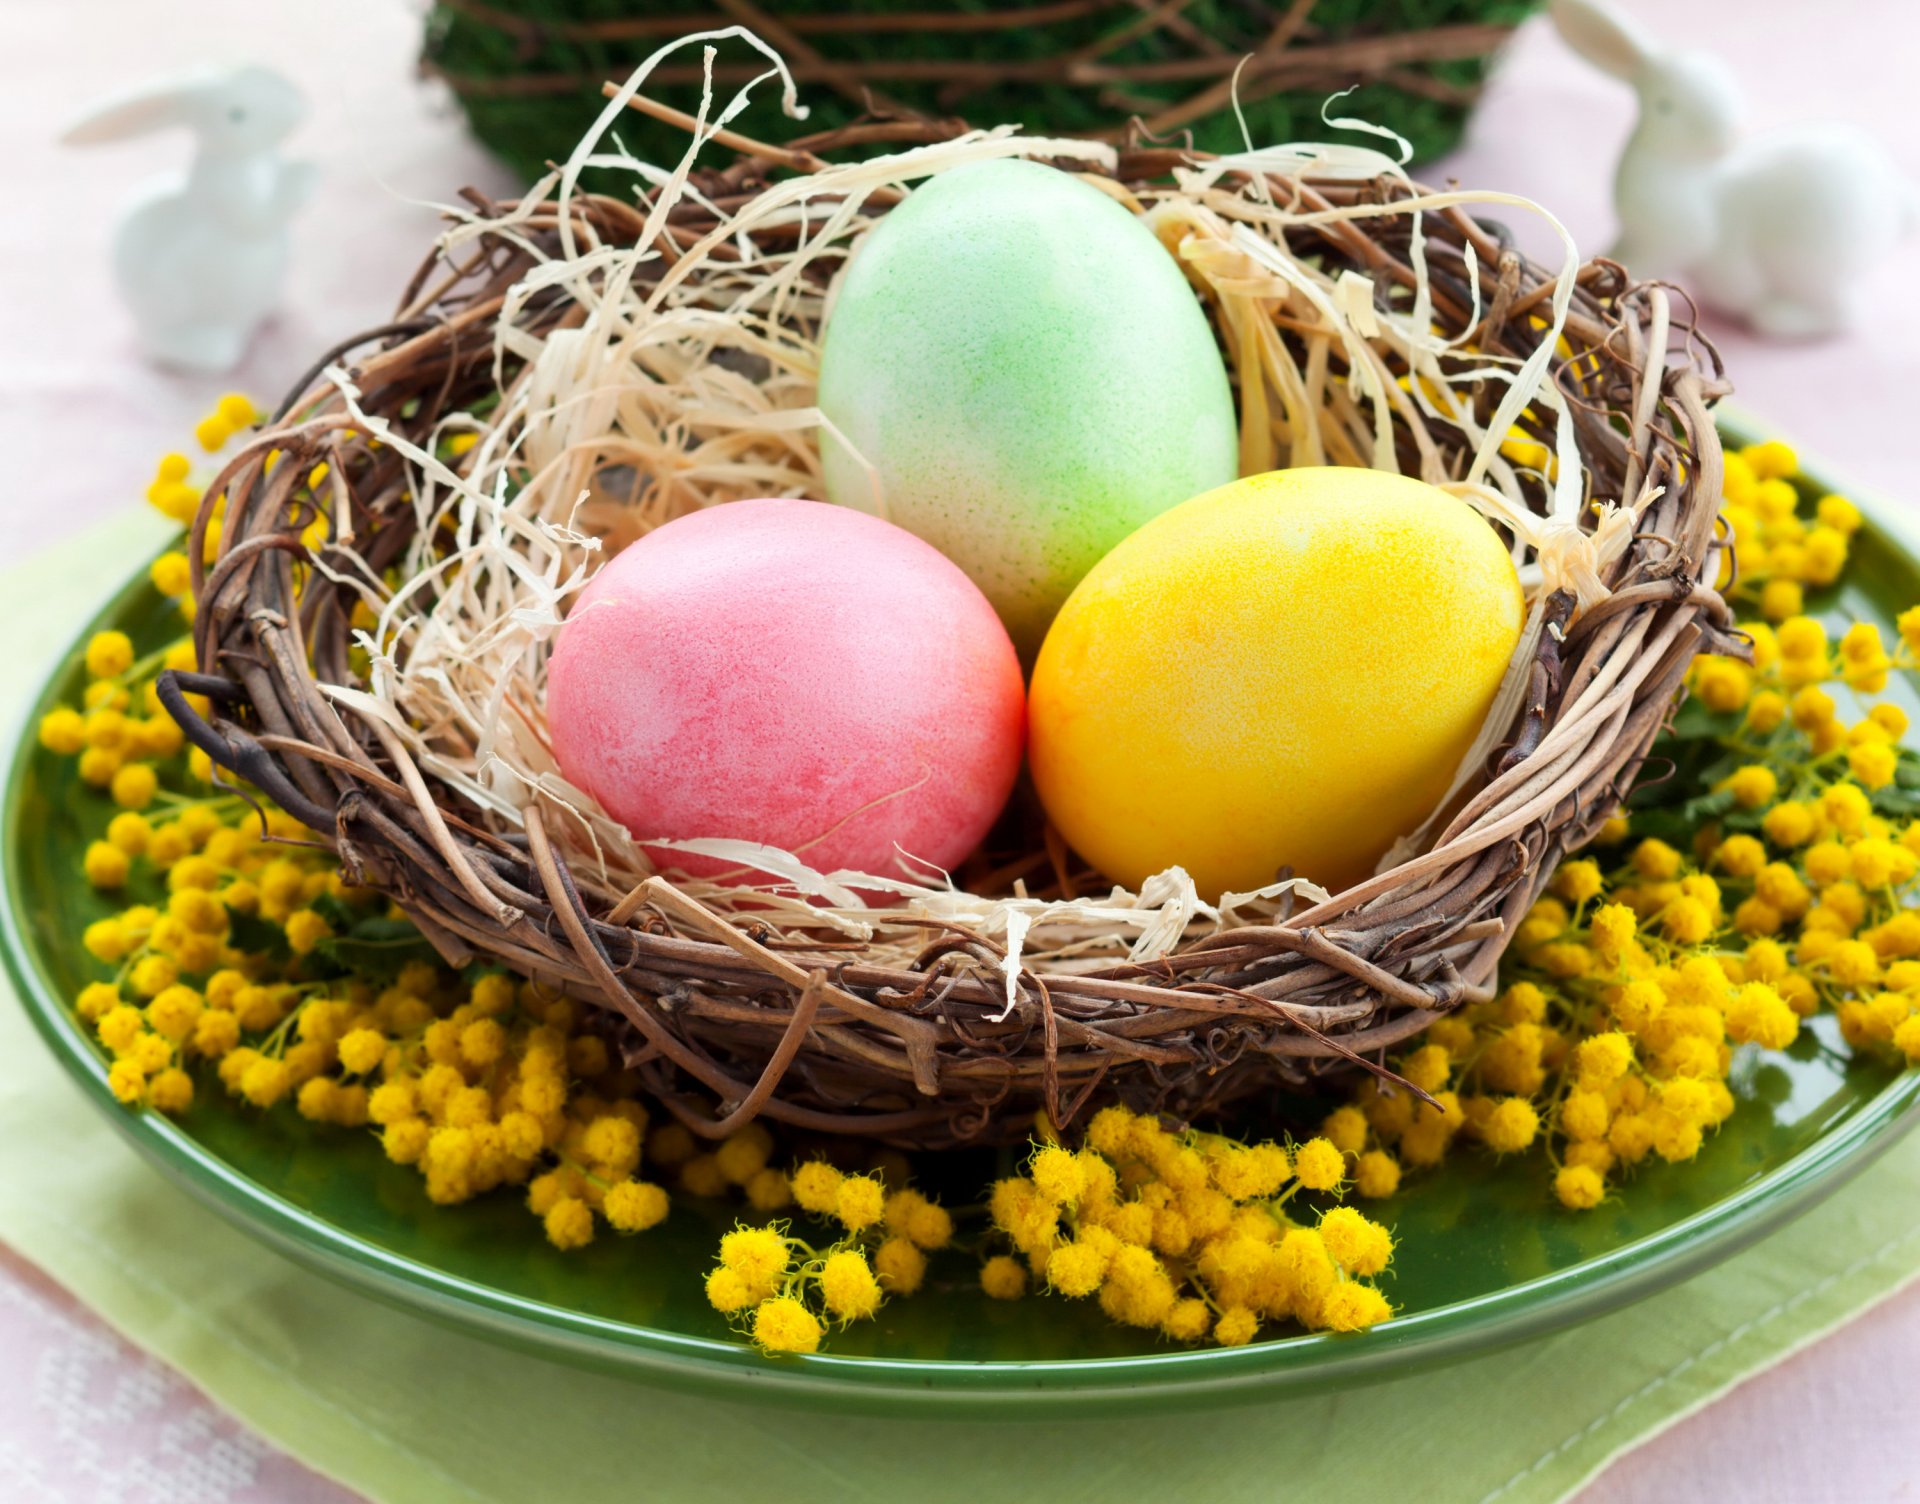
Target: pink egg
point(793, 673)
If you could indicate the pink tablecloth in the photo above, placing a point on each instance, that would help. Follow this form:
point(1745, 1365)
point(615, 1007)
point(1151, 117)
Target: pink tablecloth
point(84, 1417)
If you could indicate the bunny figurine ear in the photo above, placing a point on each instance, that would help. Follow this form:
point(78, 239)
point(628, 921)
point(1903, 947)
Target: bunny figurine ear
point(152, 107)
point(1601, 35)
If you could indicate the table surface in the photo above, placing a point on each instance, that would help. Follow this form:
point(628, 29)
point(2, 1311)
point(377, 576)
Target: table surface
point(82, 1415)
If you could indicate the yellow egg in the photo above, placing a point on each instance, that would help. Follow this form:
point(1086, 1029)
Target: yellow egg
point(1284, 672)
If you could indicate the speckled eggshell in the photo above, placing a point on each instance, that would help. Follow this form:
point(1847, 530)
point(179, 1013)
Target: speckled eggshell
point(1029, 374)
point(1282, 673)
point(791, 673)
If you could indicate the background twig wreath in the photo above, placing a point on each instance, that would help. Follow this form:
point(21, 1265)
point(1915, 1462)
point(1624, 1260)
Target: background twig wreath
point(526, 72)
point(395, 549)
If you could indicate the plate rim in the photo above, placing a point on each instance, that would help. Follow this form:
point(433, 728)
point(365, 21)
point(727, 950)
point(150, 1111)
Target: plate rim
point(1040, 1388)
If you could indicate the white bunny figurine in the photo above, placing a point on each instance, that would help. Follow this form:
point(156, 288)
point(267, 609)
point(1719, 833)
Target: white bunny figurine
point(200, 259)
point(1777, 230)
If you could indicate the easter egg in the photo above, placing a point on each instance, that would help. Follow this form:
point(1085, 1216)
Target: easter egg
point(790, 673)
point(1285, 672)
point(1029, 376)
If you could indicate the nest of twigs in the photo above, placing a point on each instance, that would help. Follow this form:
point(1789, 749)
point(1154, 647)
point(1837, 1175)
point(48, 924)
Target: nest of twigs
point(569, 370)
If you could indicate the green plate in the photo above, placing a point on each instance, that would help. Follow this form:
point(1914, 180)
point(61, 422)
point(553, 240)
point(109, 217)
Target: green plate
point(1486, 1257)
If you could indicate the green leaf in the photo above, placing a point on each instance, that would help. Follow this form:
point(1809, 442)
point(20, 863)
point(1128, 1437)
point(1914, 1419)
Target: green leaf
point(257, 936)
point(337, 913)
point(378, 958)
point(1664, 823)
point(1897, 801)
point(1693, 722)
point(1901, 798)
point(1704, 807)
point(370, 945)
point(1696, 765)
point(380, 930)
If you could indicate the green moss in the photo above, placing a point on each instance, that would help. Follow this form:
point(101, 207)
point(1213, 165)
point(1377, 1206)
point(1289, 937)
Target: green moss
point(528, 123)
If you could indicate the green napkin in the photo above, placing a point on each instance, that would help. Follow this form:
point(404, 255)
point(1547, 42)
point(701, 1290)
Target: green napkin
point(403, 1410)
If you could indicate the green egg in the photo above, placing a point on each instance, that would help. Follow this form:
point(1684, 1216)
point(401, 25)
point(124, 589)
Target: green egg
point(1028, 375)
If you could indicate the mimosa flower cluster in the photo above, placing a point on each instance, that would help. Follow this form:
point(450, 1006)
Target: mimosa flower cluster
point(1194, 1235)
point(1779, 551)
point(783, 1293)
point(240, 954)
point(255, 958)
point(1770, 878)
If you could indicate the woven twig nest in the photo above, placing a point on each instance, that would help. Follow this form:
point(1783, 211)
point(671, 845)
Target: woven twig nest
point(575, 365)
